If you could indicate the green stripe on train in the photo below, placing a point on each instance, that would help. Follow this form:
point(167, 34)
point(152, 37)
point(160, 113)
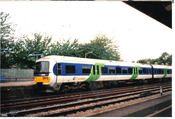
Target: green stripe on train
point(135, 73)
point(95, 76)
point(165, 73)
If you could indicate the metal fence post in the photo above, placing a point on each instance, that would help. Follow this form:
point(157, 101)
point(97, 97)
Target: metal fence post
point(161, 90)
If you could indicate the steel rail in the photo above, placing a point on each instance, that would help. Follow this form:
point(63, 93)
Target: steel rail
point(73, 97)
point(23, 113)
point(69, 99)
point(73, 94)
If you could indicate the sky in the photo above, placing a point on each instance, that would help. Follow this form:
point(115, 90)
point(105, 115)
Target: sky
point(137, 35)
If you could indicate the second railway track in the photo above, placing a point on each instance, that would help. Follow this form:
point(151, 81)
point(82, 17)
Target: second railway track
point(72, 103)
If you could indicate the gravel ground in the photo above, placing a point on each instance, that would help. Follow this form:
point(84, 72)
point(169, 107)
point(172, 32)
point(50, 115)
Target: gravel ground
point(115, 106)
point(97, 110)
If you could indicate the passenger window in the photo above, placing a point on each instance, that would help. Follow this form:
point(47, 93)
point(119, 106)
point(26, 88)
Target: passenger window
point(86, 69)
point(162, 71)
point(70, 69)
point(112, 70)
point(130, 70)
point(104, 70)
point(118, 70)
point(124, 70)
point(168, 71)
point(140, 71)
point(59, 69)
point(144, 71)
point(150, 71)
point(155, 71)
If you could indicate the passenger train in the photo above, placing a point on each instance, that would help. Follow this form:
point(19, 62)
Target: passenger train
point(62, 73)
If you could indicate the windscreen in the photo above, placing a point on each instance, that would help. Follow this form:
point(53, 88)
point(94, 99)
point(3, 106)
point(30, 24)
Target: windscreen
point(41, 68)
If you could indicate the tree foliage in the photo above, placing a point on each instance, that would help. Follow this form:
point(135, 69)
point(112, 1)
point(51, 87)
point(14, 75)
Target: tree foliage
point(164, 58)
point(40, 44)
point(66, 48)
point(7, 41)
point(15, 54)
point(102, 47)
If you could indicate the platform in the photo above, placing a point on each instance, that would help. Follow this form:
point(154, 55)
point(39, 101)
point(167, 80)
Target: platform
point(16, 84)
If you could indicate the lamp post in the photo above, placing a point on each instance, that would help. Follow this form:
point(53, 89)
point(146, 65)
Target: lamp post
point(87, 53)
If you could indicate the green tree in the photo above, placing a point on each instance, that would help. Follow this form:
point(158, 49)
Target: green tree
point(66, 48)
point(169, 59)
point(164, 58)
point(40, 44)
point(102, 47)
point(7, 41)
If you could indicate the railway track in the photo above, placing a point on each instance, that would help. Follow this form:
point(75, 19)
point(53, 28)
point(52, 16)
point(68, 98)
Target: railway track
point(71, 103)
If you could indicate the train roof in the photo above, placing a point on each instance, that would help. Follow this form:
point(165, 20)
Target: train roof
point(84, 60)
point(161, 66)
point(90, 61)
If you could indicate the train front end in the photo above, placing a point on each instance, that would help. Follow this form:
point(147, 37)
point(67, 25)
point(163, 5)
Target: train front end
point(43, 74)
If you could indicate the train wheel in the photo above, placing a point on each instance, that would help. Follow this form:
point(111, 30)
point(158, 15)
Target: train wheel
point(83, 87)
point(92, 86)
point(140, 82)
point(145, 81)
point(65, 89)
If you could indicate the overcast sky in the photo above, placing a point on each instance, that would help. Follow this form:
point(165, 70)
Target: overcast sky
point(138, 35)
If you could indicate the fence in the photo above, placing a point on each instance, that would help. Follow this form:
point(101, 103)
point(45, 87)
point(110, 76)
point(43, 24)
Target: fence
point(11, 74)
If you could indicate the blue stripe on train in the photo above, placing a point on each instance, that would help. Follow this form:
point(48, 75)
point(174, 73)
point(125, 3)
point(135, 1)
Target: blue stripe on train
point(78, 69)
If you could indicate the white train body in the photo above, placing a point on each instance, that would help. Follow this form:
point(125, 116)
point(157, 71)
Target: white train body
point(54, 71)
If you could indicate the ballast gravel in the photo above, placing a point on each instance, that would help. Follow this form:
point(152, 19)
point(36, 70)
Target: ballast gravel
point(101, 109)
point(115, 106)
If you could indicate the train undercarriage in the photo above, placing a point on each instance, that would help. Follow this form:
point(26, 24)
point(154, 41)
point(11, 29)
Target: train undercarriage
point(93, 85)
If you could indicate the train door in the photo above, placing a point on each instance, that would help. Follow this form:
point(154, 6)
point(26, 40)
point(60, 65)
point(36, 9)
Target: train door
point(135, 72)
point(59, 77)
point(96, 72)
